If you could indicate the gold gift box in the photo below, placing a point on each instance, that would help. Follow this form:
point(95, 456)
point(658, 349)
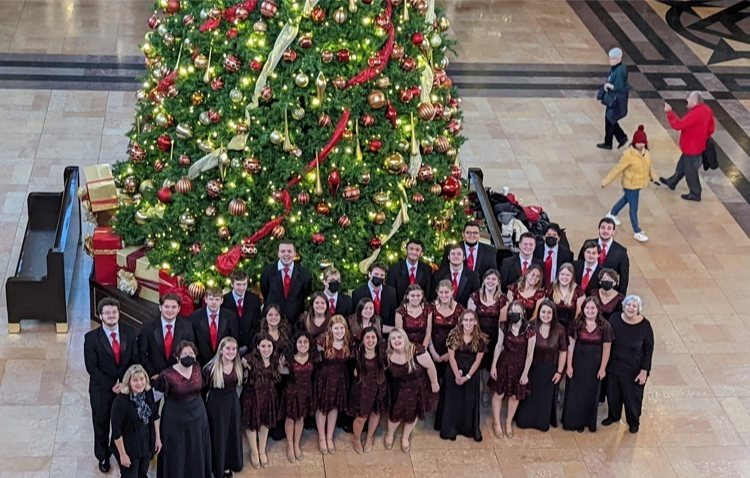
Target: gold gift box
point(101, 187)
point(147, 276)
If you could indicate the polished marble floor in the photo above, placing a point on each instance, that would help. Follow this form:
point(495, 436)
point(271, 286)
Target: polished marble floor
point(532, 123)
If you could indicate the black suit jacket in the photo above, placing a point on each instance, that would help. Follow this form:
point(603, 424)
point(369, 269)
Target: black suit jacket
point(272, 288)
point(248, 324)
point(99, 358)
point(486, 258)
point(398, 278)
point(580, 266)
point(227, 328)
point(563, 256)
point(151, 342)
point(468, 283)
point(510, 270)
point(388, 303)
point(617, 259)
point(344, 305)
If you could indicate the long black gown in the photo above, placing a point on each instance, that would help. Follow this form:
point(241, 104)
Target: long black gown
point(224, 423)
point(539, 410)
point(458, 410)
point(186, 441)
point(582, 391)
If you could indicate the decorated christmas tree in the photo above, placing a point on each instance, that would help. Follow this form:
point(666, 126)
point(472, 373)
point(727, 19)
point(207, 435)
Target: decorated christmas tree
point(330, 123)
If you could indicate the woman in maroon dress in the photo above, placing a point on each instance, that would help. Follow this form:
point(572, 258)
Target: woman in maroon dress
point(510, 366)
point(610, 301)
point(487, 302)
point(415, 316)
point(332, 380)
point(528, 290)
point(297, 399)
point(277, 328)
point(414, 386)
point(260, 407)
point(445, 317)
point(566, 295)
point(315, 320)
point(364, 317)
point(369, 396)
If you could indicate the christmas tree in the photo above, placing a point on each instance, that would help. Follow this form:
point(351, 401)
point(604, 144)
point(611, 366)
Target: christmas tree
point(329, 123)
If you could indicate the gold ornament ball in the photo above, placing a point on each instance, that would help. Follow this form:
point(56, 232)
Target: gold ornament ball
point(380, 197)
point(410, 182)
point(204, 118)
point(301, 80)
point(183, 185)
point(379, 218)
point(196, 290)
point(326, 56)
point(184, 131)
point(376, 99)
point(444, 62)
point(436, 41)
point(224, 233)
point(201, 62)
point(276, 137)
point(442, 144)
point(224, 160)
point(383, 82)
point(242, 128)
point(451, 153)
point(236, 95)
point(426, 111)
point(298, 113)
point(161, 119)
point(440, 224)
point(347, 135)
point(398, 52)
point(260, 26)
point(141, 218)
point(339, 83)
point(130, 184)
point(394, 162)
point(211, 211)
point(278, 232)
point(187, 222)
point(196, 98)
point(436, 189)
point(147, 186)
point(237, 207)
point(149, 243)
point(444, 24)
point(323, 208)
point(339, 16)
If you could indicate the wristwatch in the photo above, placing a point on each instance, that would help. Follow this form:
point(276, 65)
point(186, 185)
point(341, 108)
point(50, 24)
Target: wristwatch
point(468, 376)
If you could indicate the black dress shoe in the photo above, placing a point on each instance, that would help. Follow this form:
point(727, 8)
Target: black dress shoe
point(690, 197)
point(228, 474)
point(633, 428)
point(604, 146)
point(104, 465)
point(666, 182)
point(608, 421)
point(620, 144)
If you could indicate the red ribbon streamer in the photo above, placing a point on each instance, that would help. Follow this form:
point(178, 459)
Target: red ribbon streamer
point(230, 15)
point(228, 261)
point(371, 72)
point(335, 138)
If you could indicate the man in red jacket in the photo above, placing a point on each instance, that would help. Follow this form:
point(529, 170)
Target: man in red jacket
point(695, 129)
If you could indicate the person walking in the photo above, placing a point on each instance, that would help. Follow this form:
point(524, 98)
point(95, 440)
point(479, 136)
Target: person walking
point(614, 95)
point(695, 128)
point(636, 169)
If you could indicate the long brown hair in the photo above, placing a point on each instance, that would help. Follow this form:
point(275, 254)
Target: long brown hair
point(379, 357)
point(328, 350)
point(553, 325)
point(255, 360)
point(456, 337)
point(498, 291)
point(355, 320)
point(412, 288)
point(579, 323)
point(284, 327)
point(309, 316)
point(522, 280)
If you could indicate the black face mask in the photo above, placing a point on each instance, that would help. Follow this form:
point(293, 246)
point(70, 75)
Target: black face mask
point(607, 284)
point(333, 286)
point(187, 361)
point(551, 241)
point(514, 317)
point(376, 281)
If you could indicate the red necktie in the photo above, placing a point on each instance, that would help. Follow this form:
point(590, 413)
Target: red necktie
point(332, 306)
point(412, 275)
point(239, 307)
point(168, 339)
point(455, 284)
point(470, 259)
point(525, 267)
point(586, 278)
point(548, 267)
point(115, 347)
point(213, 330)
point(287, 282)
point(603, 255)
point(376, 301)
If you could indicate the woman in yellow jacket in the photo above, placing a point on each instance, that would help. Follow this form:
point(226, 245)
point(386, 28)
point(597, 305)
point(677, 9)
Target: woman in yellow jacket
point(635, 166)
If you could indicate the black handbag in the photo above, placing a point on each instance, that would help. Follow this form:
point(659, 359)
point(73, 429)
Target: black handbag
point(607, 98)
point(709, 158)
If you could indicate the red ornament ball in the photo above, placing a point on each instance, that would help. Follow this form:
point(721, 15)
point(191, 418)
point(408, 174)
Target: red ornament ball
point(183, 185)
point(351, 193)
point(323, 208)
point(375, 61)
point(213, 188)
point(417, 198)
point(164, 142)
point(266, 93)
point(289, 55)
point(305, 41)
point(425, 173)
point(241, 13)
point(324, 120)
point(405, 95)
point(153, 22)
point(217, 84)
point(456, 172)
point(232, 63)
point(344, 222)
point(367, 120)
point(374, 145)
point(184, 160)
point(408, 64)
point(164, 195)
point(252, 165)
point(318, 238)
point(303, 198)
point(343, 56)
point(188, 20)
point(173, 6)
point(237, 207)
point(417, 38)
point(318, 14)
point(248, 250)
point(381, 20)
point(375, 243)
point(326, 56)
point(255, 65)
point(224, 232)
point(195, 248)
point(242, 128)
point(269, 9)
point(451, 188)
point(137, 153)
point(214, 116)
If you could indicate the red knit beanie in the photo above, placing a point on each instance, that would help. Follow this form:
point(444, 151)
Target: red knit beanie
point(640, 136)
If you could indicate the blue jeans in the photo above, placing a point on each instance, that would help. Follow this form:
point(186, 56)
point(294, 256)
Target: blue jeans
point(630, 198)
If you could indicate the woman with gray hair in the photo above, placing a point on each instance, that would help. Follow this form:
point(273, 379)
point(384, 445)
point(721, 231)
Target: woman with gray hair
point(630, 363)
point(614, 95)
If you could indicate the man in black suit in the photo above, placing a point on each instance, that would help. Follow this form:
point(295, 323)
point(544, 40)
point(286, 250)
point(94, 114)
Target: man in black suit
point(513, 267)
point(465, 281)
point(211, 324)
point(587, 269)
point(338, 302)
point(552, 253)
point(478, 257)
point(612, 255)
point(383, 296)
point(160, 337)
point(245, 305)
point(410, 271)
point(285, 283)
point(107, 352)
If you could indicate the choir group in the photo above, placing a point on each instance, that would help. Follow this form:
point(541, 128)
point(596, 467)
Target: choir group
point(408, 342)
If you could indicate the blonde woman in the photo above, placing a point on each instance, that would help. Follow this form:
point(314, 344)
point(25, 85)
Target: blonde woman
point(223, 376)
point(527, 290)
point(135, 424)
point(414, 383)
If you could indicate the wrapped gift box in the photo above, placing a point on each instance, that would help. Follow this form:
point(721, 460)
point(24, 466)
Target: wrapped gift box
point(169, 283)
point(133, 259)
point(101, 187)
point(105, 244)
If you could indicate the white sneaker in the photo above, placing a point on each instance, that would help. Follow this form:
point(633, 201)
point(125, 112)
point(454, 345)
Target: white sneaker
point(613, 217)
point(640, 237)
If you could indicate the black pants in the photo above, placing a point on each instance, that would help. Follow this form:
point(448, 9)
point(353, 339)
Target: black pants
point(101, 411)
point(613, 130)
point(138, 468)
point(687, 167)
point(624, 390)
